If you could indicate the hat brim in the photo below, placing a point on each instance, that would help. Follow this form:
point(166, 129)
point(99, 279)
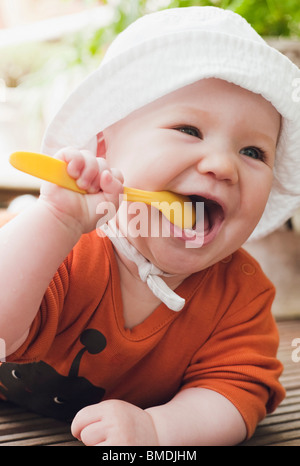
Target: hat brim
point(163, 64)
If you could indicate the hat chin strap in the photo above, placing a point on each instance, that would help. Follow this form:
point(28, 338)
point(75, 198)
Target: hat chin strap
point(148, 272)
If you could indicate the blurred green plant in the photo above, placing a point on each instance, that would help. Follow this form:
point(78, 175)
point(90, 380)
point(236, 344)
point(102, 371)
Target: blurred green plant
point(268, 17)
point(39, 62)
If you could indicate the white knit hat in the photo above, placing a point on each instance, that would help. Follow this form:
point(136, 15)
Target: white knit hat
point(164, 51)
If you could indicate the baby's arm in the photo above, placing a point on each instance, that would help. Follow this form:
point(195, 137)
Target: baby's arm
point(195, 416)
point(34, 244)
point(198, 416)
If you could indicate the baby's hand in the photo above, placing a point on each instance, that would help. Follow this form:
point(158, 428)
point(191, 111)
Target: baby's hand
point(92, 174)
point(114, 423)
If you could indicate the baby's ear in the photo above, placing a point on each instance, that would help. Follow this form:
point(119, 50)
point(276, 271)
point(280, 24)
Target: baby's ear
point(101, 147)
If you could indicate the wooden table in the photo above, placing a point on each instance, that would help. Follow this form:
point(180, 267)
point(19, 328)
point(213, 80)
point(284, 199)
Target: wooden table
point(282, 428)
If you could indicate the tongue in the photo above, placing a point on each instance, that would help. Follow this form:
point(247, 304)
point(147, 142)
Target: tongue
point(206, 220)
point(202, 221)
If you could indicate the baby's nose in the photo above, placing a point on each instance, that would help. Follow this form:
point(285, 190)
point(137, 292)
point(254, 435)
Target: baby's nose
point(221, 165)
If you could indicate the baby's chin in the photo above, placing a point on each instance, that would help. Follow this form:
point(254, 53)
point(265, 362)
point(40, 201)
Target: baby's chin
point(165, 254)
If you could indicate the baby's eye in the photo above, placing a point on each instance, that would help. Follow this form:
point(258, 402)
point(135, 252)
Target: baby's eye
point(190, 130)
point(254, 153)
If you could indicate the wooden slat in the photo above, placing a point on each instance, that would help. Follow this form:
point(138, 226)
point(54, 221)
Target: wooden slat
point(9, 193)
point(282, 428)
point(19, 427)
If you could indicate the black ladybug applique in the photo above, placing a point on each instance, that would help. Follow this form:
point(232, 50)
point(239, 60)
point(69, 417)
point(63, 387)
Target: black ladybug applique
point(40, 388)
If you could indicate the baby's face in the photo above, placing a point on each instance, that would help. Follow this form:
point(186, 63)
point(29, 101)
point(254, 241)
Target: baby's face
point(211, 139)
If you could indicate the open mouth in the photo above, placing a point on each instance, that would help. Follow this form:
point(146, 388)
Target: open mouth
point(209, 213)
point(209, 218)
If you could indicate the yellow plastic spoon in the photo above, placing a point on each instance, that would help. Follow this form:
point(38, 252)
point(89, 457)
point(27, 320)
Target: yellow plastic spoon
point(177, 208)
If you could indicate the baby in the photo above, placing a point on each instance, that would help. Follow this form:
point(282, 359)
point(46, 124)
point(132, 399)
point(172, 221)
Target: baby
point(157, 339)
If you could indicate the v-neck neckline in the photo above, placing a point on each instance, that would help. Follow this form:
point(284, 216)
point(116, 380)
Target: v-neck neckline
point(161, 316)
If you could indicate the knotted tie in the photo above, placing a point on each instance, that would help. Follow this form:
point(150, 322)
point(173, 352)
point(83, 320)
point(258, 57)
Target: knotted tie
point(148, 272)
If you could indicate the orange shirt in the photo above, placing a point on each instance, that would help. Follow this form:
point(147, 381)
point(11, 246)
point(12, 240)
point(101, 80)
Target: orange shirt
point(78, 351)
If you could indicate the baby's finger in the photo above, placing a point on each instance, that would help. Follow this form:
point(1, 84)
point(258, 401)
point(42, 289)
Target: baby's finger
point(82, 166)
point(84, 417)
point(93, 434)
point(74, 159)
point(117, 174)
point(110, 185)
point(88, 174)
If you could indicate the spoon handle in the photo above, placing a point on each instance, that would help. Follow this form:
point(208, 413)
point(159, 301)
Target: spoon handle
point(44, 167)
